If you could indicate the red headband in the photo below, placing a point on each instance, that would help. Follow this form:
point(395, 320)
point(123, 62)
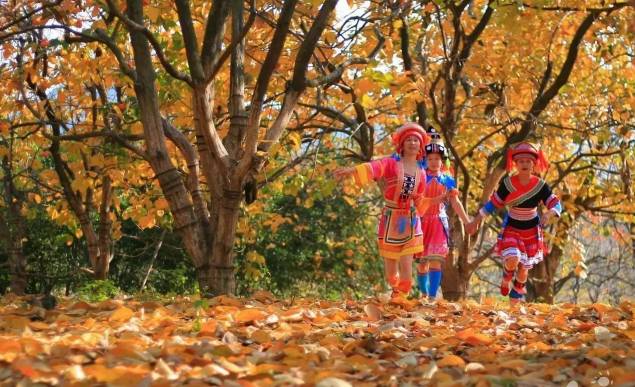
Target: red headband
point(530, 150)
point(411, 129)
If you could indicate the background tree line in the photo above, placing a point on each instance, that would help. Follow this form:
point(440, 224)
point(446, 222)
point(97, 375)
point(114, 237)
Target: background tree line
point(186, 145)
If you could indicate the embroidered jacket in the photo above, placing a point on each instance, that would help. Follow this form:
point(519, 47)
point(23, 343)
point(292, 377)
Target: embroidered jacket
point(391, 171)
point(522, 201)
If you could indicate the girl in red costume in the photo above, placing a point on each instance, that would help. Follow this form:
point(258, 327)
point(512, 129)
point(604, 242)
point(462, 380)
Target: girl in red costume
point(520, 243)
point(434, 222)
point(403, 184)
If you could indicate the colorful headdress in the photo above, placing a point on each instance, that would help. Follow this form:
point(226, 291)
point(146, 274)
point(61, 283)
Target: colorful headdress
point(527, 149)
point(436, 144)
point(410, 129)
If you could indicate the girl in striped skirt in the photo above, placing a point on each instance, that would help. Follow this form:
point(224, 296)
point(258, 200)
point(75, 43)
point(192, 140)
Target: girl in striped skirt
point(520, 243)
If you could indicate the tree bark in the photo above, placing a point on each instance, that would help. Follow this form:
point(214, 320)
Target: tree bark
point(187, 222)
point(13, 229)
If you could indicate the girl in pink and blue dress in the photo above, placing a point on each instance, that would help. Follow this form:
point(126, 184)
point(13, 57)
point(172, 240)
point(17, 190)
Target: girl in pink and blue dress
point(520, 243)
point(434, 222)
point(403, 183)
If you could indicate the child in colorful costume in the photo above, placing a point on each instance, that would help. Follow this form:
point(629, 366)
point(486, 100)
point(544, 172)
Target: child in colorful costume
point(520, 243)
point(434, 222)
point(399, 232)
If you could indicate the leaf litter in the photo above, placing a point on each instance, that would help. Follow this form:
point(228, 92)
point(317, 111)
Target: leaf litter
point(264, 341)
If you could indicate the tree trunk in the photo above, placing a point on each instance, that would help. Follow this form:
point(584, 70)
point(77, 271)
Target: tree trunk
point(455, 281)
point(102, 265)
point(457, 271)
point(17, 266)
point(13, 229)
point(217, 276)
point(188, 223)
point(541, 285)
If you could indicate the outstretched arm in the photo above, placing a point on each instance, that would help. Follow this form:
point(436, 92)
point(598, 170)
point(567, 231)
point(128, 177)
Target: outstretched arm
point(363, 173)
point(422, 203)
point(343, 173)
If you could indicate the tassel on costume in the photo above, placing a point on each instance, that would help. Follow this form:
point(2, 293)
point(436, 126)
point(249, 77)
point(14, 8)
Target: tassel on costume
point(509, 165)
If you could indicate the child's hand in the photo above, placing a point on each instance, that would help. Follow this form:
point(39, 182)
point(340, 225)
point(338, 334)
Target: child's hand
point(470, 228)
point(438, 199)
point(342, 173)
point(473, 226)
point(545, 220)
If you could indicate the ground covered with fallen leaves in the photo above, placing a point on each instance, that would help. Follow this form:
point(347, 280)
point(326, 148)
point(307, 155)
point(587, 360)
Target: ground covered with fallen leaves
point(264, 341)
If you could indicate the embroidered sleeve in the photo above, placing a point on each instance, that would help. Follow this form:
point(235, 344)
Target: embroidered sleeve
point(497, 200)
point(450, 184)
point(367, 172)
point(448, 181)
point(550, 200)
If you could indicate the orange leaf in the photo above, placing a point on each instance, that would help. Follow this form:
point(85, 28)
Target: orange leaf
point(373, 312)
point(267, 369)
point(209, 328)
point(475, 339)
point(9, 349)
point(249, 315)
point(17, 323)
point(296, 315)
point(120, 375)
point(515, 364)
point(451, 361)
point(538, 346)
point(261, 337)
point(121, 314)
point(26, 367)
point(38, 325)
point(586, 326)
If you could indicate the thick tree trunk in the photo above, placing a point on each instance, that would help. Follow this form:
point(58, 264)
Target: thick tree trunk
point(13, 229)
point(455, 280)
point(457, 271)
point(541, 286)
point(217, 275)
point(17, 266)
point(188, 223)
